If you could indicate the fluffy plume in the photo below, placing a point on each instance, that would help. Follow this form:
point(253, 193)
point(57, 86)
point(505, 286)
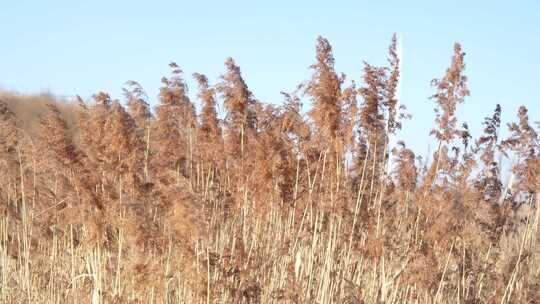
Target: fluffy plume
point(239, 102)
point(324, 88)
point(523, 145)
point(488, 145)
point(137, 102)
point(174, 124)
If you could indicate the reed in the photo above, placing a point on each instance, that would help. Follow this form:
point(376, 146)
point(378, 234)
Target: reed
point(109, 201)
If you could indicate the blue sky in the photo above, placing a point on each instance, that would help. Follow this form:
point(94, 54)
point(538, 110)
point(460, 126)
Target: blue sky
point(76, 47)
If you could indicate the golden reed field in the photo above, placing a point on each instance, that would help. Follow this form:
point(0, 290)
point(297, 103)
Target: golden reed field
point(108, 201)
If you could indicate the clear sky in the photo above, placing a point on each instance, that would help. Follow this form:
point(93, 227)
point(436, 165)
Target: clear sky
point(82, 47)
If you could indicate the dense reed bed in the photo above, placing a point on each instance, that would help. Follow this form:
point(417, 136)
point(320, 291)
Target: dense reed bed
point(108, 201)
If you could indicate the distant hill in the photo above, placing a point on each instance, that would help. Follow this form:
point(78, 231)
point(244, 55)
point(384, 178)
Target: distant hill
point(29, 108)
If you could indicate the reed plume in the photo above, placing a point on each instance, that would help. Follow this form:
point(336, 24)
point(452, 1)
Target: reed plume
point(174, 124)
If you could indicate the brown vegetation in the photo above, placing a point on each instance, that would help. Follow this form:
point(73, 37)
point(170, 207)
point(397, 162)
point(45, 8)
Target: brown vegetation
point(106, 203)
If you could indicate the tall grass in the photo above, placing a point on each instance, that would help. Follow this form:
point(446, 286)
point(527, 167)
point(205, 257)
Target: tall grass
point(106, 203)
